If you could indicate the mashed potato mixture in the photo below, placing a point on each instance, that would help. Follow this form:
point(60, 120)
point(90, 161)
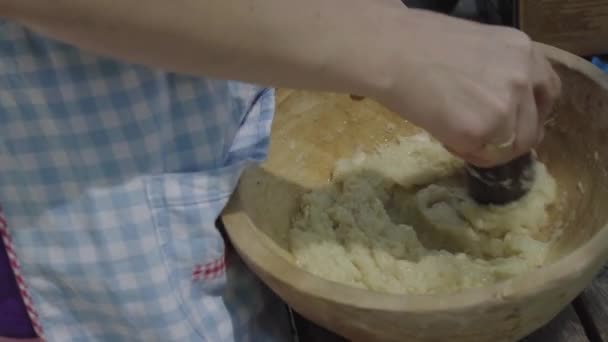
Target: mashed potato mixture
point(400, 221)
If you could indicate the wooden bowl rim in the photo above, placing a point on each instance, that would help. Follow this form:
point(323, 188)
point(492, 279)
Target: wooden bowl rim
point(260, 252)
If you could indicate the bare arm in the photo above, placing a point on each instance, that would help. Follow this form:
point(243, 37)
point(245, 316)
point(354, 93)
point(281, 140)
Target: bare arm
point(468, 84)
point(315, 44)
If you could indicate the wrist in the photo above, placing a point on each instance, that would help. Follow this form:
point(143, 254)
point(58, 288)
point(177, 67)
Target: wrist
point(403, 52)
point(386, 52)
point(368, 56)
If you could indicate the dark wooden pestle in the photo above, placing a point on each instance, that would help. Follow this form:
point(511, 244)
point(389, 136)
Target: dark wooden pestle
point(500, 185)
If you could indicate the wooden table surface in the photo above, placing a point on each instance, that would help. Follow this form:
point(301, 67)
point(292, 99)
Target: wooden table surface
point(585, 320)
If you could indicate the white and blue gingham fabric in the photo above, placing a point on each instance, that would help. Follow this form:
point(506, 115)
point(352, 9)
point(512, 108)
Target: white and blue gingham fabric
point(111, 178)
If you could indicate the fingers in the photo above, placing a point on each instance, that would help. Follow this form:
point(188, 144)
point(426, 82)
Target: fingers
point(534, 105)
point(527, 130)
point(498, 147)
point(547, 89)
point(469, 157)
point(518, 134)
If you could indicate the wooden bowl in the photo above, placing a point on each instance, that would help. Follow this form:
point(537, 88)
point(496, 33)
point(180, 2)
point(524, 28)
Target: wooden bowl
point(312, 130)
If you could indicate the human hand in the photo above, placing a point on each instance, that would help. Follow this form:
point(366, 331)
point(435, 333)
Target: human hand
point(483, 91)
point(471, 86)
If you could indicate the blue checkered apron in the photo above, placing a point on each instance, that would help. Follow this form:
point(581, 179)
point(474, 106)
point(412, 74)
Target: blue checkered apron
point(111, 178)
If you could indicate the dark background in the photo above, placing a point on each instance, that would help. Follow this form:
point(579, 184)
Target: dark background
point(497, 12)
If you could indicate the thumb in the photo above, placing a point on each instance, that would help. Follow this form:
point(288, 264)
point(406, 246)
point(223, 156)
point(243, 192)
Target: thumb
point(468, 157)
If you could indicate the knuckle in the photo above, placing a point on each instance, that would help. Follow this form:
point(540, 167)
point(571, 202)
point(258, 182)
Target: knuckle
point(526, 142)
point(520, 81)
point(557, 85)
point(521, 55)
point(520, 41)
point(481, 160)
point(476, 133)
point(498, 121)
point(502, 111)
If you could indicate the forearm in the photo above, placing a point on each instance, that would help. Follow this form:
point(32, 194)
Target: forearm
point(315, 44)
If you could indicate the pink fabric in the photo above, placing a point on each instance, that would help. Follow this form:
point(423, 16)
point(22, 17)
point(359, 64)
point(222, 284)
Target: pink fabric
point(14, 320)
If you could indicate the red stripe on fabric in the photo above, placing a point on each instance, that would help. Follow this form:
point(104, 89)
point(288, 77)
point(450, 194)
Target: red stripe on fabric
point(210, 270)
point(21, 283)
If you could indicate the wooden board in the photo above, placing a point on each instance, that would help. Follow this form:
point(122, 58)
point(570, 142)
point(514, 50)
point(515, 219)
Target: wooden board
point(578, 26)
point(595, 305)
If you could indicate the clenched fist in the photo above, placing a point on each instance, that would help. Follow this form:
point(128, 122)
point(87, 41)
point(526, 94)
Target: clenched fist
point(483, 91)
